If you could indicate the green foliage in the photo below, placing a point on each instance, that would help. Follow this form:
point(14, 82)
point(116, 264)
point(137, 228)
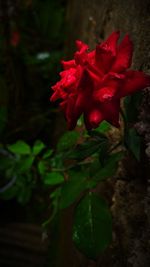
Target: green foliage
point(20, 147)
point(133, 142)
point(92, 229)
point(110, 167)
point(24, 167)
point(104, 127)
point(68, 140)
point(47, 154)
point(24, 164)
point(69, 172)
point(38, 147)
point(90, 146)
point(53, 178)
point(72, 189)
point(131, 104)
point(42, 167)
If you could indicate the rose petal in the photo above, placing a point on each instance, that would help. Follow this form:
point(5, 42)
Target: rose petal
point(91, 57)
point(135, 80)
point(106, 52)
point(81, 46)
point(70, 115)
point(109, 86)
point(124, 55)
point(54, 96)
point(75, 109)
point(110, 111)
point(105, 94)
point(68, 64)
point(81, 55)
point(92, 118)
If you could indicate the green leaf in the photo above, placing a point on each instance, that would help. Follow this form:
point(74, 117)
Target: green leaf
point(131, 104)
point(53, 178)
point(94, 167)
point(80, 121)
point(89, 147)
point(133, 142)
point(47, 154)
point(109, 168)
point(20, 147)
point(24, 164)
point(103, 152)
point(57, 161)
point(42, 168)
point(68, 140)
point(92, 229)
point(91, 184)
point(38, 147)
point(104, 127)
point(72, 189)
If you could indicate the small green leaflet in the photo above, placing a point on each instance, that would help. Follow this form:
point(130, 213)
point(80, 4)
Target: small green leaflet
point(53, 178)
point(38, 147)
point(68, 140)
point(89, 147)
point(42, 167)
point(109, 168)
point(92, 228)
point(104, 127)
point(47, 154)
point(24, 164)
point(20, 147)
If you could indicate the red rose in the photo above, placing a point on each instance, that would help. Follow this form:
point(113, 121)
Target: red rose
point(94, 82)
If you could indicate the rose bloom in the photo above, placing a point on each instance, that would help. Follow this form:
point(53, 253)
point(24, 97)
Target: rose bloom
point(93, 82)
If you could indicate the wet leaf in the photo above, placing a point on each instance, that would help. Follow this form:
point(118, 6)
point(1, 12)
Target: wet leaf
point(92, 229)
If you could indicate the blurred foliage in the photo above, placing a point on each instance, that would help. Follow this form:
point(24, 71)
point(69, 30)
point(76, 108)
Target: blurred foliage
point(67, 173)
point(31, 44)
